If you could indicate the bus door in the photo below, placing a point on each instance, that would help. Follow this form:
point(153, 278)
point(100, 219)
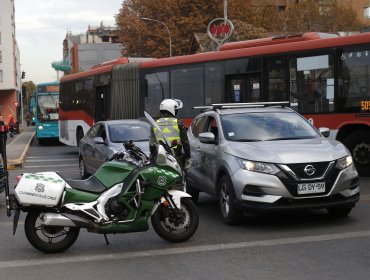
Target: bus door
point(100, 100)
point(243, 88)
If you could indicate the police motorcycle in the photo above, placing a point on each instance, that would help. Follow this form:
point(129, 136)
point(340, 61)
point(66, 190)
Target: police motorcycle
point(119, 198)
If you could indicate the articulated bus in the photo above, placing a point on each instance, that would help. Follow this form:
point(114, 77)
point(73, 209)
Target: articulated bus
point(325, 77)
point(47, 107)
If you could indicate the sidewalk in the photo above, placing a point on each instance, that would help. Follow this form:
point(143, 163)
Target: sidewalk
point(17, 147)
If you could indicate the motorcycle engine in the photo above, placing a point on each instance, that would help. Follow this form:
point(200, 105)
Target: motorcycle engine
point(115, 210)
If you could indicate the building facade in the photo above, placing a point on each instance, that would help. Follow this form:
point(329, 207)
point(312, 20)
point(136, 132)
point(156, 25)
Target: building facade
point(10, 72)
point(97, 45)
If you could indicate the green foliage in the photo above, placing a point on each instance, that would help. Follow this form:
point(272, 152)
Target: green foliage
point(142, 38)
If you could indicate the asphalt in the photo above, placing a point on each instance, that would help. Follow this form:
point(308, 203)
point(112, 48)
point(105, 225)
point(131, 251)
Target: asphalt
point(18, 145)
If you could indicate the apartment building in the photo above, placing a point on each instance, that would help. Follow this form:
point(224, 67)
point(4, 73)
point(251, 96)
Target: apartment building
point(10, 72)
point(98, 44)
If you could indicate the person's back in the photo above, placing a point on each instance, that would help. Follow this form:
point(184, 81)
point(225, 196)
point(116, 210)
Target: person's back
point(174, 130)
point(11, 124)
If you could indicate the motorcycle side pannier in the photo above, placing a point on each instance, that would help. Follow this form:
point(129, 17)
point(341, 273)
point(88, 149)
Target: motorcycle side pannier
point(40, 189)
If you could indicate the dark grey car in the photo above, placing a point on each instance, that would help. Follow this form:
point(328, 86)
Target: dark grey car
point(106, 138)
point(269, 158)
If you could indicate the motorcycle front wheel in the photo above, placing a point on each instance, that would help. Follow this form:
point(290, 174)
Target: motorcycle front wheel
point(176, 226)
point(48, 239)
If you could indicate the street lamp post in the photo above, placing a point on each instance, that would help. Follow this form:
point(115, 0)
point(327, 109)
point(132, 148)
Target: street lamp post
point(168, 31)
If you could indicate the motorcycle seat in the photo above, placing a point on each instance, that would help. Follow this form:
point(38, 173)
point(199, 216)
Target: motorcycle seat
point(90, 184)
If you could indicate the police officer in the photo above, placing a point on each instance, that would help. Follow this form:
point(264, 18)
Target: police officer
point(174, 130)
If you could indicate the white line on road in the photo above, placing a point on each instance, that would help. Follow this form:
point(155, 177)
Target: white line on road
point(48, 166)
point(183, 250)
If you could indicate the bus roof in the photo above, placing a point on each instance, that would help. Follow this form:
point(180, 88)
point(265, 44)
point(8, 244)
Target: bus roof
point(300, 45)
point(278, 39)
point(103, 67)
point(48, 83)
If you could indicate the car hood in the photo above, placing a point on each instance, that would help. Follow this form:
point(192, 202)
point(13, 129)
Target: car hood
point(288, 151)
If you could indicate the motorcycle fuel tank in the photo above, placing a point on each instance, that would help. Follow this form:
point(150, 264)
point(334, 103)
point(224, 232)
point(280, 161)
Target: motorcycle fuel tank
point(45, 188)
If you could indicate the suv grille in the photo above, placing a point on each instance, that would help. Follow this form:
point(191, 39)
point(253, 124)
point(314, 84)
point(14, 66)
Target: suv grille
point(291, 183)
point(298, 169)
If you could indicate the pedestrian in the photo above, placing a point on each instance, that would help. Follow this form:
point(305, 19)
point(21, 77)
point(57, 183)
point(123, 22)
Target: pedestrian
point(11, 124)
point(174, 130)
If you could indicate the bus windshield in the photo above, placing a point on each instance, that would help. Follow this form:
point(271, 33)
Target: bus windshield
point(47, 106)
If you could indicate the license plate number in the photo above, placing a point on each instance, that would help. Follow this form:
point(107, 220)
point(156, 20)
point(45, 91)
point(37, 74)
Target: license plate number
point(309, 188)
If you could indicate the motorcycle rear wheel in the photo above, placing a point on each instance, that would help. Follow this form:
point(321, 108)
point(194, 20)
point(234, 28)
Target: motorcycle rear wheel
point(48, 239)
point(176, 229)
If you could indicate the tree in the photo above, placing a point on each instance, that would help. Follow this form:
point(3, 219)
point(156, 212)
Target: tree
point(29, 88)
point(184, 17)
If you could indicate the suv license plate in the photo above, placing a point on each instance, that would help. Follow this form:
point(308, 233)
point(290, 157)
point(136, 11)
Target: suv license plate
point(311, 188)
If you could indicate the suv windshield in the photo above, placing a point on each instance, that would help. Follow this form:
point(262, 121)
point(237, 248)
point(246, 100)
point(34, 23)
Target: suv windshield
point(249, 127)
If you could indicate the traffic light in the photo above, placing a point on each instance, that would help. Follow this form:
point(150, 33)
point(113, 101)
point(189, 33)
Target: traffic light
point(23, 74)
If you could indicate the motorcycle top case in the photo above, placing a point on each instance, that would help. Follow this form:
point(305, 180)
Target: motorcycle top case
point(44, 188)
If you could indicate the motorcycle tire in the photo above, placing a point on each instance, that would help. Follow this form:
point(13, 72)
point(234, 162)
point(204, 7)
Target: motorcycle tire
point(48, 239)
point(175, 229)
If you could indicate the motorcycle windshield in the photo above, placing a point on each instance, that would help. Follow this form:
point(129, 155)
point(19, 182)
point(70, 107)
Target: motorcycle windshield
point(152, 122)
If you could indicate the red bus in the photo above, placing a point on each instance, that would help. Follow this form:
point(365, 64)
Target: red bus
point(325, 77)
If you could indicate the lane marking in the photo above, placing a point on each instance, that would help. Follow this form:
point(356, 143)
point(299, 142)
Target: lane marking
point(50, 260)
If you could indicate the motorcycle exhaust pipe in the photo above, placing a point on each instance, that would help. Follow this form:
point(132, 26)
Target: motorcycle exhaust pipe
point(64, 220)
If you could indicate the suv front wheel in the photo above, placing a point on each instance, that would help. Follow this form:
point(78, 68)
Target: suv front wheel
point(230, 214)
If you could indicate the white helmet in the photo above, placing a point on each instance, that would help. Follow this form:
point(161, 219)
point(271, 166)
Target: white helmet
point(171, 106)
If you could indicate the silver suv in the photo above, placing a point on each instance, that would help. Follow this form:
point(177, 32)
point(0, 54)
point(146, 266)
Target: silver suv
point(263, 157)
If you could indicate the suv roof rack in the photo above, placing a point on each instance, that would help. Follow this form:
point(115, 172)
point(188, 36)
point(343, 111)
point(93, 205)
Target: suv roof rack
point(241, 105)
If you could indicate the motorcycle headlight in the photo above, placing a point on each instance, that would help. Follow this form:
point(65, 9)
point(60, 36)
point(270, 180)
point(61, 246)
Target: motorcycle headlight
point(344, 162)
point(257, 166)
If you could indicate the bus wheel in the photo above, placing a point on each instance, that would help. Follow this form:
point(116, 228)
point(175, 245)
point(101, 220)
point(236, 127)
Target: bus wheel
point(358, 143)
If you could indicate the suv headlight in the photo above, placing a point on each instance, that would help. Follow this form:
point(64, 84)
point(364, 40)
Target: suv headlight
point(344, 162)
point(257, 166)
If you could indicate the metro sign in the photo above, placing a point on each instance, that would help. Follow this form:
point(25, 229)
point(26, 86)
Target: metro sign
point(219, 30)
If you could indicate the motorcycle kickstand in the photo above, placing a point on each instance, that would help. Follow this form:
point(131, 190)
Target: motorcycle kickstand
point(106, 239)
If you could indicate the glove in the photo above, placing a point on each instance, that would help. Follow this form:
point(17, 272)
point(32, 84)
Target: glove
point(187, 163)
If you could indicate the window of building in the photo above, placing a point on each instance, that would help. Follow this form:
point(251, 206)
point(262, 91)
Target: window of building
point(1, 57)
point(367, 13)
point(1, 75)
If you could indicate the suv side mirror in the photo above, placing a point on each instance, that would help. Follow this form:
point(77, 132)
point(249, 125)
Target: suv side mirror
point(324, 131)
point(207, 138)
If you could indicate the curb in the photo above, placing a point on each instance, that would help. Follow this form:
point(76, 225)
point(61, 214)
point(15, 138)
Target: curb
point(13, 163)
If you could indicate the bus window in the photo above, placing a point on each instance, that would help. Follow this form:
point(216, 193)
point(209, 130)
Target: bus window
point(312, 83)
point(354, 79)
point(277, 68)
point(215, 79)
point(157, 86)
point(187, 84)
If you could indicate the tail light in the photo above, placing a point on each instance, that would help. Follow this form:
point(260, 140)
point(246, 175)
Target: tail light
point(19, 178)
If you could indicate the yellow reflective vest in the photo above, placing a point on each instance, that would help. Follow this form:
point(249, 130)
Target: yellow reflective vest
point(170, 129)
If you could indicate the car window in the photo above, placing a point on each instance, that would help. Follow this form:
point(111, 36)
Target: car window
point(212, 126)
point(266, 127)
point(119, 133)
point(198, 125)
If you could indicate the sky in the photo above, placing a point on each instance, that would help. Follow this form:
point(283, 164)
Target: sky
point(41, 26)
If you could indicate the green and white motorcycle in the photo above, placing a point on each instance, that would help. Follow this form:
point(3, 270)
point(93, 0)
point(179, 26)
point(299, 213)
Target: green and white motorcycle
point(119, 198)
